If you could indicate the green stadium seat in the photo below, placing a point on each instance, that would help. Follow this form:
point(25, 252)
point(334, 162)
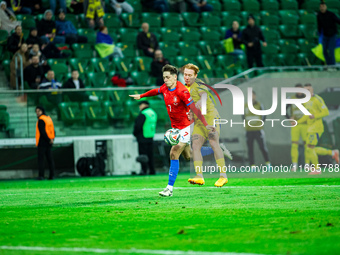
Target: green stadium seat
point(98, 80)
point(140, 78)
point(288, 47)
point(115, 111)
point(228, 19)
point(289, 17)
point(89, 33)
point(187, 49)
point(80, 53)
point(309, 32)
point(225, 62)
point(206, 75)
point(270, 49)
point(289, 5)
point(73, 18)
point(128, 50)
point(143, 63)
point(211, 20)
point(210, 47)
point(137, 6)
point(223, 30)
point(123, 64)
point(181, 61)
point(192, 19)
point(183, 30)
point(59, 70)
point(3, 37)
point(118, 97)
point(251, 6)
point(4, 118)
point(128, 35)
point(191, 37)
point(210, 35)
point(101, 64)
point(311, 5)
point(6, 66)
point(71, 113)
point(112, 21)
point(287, 59)
point(270, 20)
point(333, 4)
point(94, 112)
point(131, 19)
point(206, 62)
point(308, 19)
point(271, 6)
point(222, 73)
point(171, 20)
point(153, 19)
point(132, 106)
point(82, 46)
point(82, 65)
point(305, 45)
point(168, 50)
point(290, 31)
point(217, 6)
point(245, 16)
point(302, 59)
point(271, 35)
point(82, 21)
point(27, 21)
point(54, 61)
point(232, 6)
point(169, 34)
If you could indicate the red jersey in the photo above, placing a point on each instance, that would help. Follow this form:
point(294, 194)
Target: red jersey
point(177, 101)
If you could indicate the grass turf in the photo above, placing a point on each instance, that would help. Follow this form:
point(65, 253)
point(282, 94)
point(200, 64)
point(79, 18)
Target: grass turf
point(265, 216)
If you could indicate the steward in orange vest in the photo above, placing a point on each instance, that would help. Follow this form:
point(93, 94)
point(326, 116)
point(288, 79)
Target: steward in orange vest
point(44, 137)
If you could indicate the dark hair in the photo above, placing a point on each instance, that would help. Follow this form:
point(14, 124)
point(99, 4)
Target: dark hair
point(74, 70)
point(308, 85)
point(169, 68)
point(144, 102)
point(322, 2)
point(40, 108)
point(299, 85)
point(102, 28)
point(17, 27)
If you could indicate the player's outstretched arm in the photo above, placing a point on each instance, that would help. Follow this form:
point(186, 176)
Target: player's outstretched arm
point(200, 116)
point(136, 97)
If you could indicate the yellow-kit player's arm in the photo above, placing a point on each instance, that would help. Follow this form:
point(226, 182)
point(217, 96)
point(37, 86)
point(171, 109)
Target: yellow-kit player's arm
point(322, 110)
point(303, 119)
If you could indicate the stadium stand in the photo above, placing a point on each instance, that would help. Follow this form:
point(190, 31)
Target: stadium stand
point(186, 37)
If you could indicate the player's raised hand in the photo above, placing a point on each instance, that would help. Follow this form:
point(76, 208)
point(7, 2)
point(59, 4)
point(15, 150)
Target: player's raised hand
point(211, 128)
point(137, 96)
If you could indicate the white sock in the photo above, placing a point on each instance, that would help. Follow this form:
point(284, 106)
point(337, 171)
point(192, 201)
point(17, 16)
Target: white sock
point(170, 187)
point(223, 175)
point(200, 175)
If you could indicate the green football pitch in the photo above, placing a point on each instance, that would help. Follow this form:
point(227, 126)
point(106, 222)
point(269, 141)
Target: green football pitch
point(125, 215)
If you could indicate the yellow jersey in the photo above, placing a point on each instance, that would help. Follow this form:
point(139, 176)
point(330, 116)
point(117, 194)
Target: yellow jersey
point(318, 108)
point(195, 89)
point(294, 112)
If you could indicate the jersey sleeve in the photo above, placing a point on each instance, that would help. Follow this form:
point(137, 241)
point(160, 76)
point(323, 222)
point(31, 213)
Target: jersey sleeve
point(322, 109)
point(151, 93)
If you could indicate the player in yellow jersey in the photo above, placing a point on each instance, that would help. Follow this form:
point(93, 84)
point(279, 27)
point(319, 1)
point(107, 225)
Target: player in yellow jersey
point(317, 107)
point(297, 131)
point(199, 135)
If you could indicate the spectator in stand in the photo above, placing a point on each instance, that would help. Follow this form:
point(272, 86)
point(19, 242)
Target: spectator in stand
point(33, 37)
point(147, 41)
point(94, 12)
point(327, 27)
point(25, 62)
point(66, 29)
point(16, 39)
point(235, 33)
point(35, 51)
point(34, 5)
point(178, 5)
point(8, 20)
point(34, 73)
point(75, 6)
point(157, 5)
point(199, 6)
point(19, 6)
point(121, 5)
point(157, 66)
point(47, 29)
point(53, 5)
point(49, 82)
point(76, 83)
point(105, 46)
point(252, 37)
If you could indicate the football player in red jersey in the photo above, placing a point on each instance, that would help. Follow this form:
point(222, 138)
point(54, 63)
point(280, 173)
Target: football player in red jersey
point(178, 103)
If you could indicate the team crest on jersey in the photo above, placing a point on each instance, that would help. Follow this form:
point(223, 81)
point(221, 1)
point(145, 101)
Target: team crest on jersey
point(175, 100)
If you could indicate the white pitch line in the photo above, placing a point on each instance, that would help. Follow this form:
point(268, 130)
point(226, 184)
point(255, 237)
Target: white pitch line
point(118, 251)
point(176, 188)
